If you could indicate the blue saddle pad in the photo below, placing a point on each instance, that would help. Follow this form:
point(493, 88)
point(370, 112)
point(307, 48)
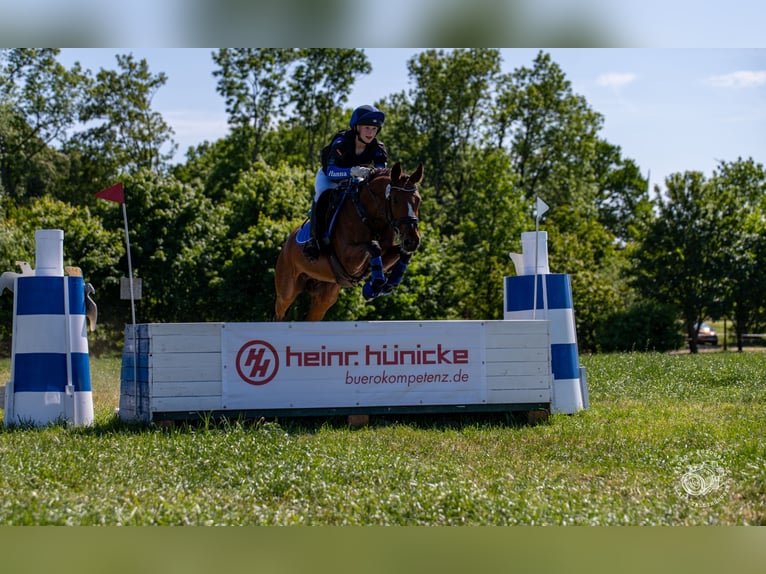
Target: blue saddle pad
point(304, 233)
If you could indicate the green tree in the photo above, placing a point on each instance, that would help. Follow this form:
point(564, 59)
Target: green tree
point(740, 186)
point(550, 133)
point(123, 133)
point(41, 100)
point(679, 258)
point(319, 86)
point(622, 201)
point(217, 166)
point(488, 231)
point(442, 121)
point(265, 205)
point(597, 199)
point(253, 82)
point(176, 237)
point(87, 244)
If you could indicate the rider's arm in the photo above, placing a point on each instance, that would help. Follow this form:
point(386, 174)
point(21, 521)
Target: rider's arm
point(334, 171)
point(381, 156)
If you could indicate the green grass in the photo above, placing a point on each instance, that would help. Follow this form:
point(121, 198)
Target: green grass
point(653, 419)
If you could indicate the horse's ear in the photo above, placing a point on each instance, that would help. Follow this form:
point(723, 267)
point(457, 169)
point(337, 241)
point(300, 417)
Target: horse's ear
point(396, 171)
point(417, 176)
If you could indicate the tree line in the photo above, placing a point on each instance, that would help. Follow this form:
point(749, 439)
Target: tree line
point(647, 266)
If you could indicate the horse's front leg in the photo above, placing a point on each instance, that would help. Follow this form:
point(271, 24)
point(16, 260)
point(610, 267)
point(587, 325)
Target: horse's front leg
point(377, 280)
point(397, 273)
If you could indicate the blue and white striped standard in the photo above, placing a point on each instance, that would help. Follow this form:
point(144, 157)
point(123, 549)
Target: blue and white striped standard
point(554, 303)
point(50, 369)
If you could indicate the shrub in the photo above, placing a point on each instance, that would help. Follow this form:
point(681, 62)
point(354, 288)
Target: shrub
point(645, 326)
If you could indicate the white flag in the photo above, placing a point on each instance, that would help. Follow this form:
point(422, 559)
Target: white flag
point(541, 207)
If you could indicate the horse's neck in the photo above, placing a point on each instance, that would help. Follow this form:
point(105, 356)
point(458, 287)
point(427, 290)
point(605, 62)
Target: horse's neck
point(374, 202)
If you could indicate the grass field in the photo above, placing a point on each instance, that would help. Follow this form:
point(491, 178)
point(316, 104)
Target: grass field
point(669, 439)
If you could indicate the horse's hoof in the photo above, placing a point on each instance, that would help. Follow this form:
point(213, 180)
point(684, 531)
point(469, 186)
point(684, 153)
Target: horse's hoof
point(369, 292)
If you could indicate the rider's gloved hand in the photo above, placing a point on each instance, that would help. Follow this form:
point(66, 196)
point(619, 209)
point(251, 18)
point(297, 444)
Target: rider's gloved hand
point(360, 171)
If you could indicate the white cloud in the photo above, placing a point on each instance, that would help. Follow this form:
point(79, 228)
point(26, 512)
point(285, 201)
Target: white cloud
point(740, 79)
point(615, 80)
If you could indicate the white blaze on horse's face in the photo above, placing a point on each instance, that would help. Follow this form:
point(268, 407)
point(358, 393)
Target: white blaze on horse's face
point(405, 202)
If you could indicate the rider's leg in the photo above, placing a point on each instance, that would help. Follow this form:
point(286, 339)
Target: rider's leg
point(311, 248)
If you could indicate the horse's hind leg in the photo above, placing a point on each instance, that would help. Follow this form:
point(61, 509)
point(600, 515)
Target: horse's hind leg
point(281, 306)
point(323, 296)
point(287, 287)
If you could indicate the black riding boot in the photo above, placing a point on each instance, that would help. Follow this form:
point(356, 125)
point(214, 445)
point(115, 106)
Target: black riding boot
point(311, 247)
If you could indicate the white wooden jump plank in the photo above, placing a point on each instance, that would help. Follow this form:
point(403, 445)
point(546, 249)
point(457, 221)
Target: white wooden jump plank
point(186, 367)
point(517, 341)
point(369, 399)
point(520, 382)
point(536, 355)
point(186, 344)
point(210, 329)
point(186, 389)
point(186, 374)
point(507, 369)
point(518, 396)
point(523, 327)
point(181, 404)
point(186, 360)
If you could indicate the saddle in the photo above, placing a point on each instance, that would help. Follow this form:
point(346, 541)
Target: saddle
point(328, 208)
point(327, 211)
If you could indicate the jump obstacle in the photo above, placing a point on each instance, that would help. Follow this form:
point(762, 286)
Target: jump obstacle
point(525, 362)
point(50, 366)
point(173, 371)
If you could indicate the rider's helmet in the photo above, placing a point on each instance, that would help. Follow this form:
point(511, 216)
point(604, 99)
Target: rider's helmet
point(367, 116)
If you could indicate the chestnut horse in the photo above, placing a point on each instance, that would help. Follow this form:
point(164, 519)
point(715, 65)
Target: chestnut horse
point(375, 231)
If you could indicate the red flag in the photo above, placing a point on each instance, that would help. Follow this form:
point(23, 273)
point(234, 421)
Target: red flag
point(113, 193)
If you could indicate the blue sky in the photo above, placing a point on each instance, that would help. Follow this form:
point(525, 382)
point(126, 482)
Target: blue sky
point(671, 110)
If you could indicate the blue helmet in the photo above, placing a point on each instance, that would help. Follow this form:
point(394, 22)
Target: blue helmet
point(367, 116)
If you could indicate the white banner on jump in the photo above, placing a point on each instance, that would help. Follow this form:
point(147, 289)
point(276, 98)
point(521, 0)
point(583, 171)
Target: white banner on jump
point(345, 364)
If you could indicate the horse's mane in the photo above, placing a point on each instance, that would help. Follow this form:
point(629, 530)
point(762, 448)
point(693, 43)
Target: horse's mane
point(380, 172)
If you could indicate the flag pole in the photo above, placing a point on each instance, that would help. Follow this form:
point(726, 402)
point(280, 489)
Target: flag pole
point(540, 208)
point(132, 305)
point(534, 298)
point(116, 193)
point(130, 268)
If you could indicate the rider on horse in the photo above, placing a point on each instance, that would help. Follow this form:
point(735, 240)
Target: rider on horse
point(347, 156)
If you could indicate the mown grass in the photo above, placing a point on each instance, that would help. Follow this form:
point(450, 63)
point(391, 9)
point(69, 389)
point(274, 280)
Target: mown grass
point(653, 417)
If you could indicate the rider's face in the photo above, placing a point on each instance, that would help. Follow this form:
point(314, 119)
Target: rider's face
point(367, 133)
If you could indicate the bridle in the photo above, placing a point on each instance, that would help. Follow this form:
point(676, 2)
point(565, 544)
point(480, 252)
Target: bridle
point(410, 218)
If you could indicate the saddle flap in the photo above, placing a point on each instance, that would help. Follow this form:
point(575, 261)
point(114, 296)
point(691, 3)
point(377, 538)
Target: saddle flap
point(328, 210)
point(304, 233)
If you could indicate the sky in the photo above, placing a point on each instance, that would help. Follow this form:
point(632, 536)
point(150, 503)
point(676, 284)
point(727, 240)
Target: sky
point(670, 110)
point(402, 23)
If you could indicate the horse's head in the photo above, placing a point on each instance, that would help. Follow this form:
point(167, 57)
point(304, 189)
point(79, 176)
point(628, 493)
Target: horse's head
point(404, 201)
